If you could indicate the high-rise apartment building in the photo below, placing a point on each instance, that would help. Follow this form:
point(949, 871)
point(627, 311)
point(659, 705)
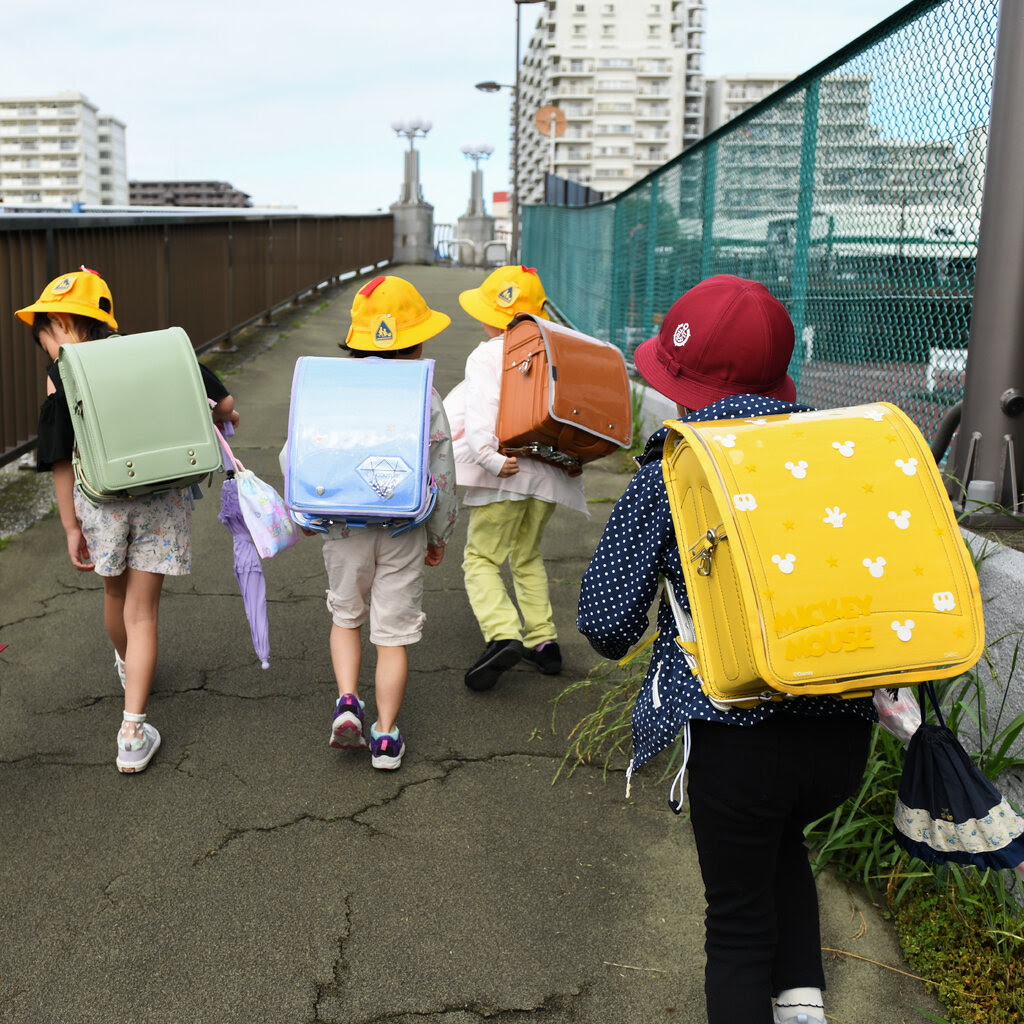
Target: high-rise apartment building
point(187, 193)
point(726, 96)
point(113, 161)
point(51, 152)
point(627, 75)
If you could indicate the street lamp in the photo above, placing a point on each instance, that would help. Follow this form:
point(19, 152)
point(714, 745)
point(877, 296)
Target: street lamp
point(494, 87)
point(476, 151)
point(413, 128)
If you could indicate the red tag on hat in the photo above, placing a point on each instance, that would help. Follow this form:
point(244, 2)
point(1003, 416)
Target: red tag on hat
point(368, 288)
point(529, 270)
point(86, 270)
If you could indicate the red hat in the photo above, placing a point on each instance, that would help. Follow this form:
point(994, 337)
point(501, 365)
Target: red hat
point(725, 336)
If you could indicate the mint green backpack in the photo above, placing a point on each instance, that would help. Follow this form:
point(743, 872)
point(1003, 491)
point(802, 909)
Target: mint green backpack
point(140, 414)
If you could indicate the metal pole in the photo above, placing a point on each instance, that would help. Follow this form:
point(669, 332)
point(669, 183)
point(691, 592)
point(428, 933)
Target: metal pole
point(515, 152)
point(989, 450)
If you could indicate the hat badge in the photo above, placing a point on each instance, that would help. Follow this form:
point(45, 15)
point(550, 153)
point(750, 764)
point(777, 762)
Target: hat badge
point(508, 294)
point(383, 332)
point(65, 284)
point(681, 335)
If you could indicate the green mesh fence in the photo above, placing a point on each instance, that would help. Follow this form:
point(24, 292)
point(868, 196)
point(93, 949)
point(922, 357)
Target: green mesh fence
point(853, 193)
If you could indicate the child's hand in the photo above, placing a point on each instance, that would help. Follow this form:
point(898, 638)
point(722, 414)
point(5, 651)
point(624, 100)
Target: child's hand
point(78, 551)
point(511, 466)
point(435, 552)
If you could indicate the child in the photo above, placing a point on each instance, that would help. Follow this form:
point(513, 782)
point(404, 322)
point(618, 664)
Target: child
point(510, 500)
point(372, 574)
point(756, 777)
point(131, 544)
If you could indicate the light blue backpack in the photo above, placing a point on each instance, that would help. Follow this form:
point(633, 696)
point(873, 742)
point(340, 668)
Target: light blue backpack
point(358, 443)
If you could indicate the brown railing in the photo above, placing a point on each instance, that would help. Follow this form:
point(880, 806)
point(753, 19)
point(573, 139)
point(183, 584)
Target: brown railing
point(211, 274)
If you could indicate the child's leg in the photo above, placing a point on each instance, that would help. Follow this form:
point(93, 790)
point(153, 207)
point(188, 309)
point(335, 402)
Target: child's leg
point(489, 542)
point(529, 575)
point(346, 658)
point(113, 611)
point(391, 677)
point(141, 607)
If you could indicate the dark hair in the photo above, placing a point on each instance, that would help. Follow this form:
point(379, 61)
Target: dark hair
point(394, 353)
point(88, 327)
point(358, 353)
point(91, 329)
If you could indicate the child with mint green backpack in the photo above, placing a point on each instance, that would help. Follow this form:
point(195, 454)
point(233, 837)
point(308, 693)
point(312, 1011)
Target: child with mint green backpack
point(131, 544)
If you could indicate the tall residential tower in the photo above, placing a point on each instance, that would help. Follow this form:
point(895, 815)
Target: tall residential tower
point(627, 75)
point(57, 150)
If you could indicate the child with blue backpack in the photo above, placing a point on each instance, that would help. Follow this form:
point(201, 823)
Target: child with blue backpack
point(132, 544)
point(373, 575)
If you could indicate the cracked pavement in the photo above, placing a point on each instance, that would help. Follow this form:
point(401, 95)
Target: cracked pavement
point(253, 874)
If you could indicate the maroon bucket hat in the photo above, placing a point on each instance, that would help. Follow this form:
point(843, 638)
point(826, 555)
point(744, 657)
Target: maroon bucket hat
point(725, 336)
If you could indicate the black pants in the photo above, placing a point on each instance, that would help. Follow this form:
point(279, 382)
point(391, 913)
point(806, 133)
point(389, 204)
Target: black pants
point(752, 790)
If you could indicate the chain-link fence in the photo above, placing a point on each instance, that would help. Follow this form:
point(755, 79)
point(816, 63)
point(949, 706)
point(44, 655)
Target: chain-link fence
point(853, 193)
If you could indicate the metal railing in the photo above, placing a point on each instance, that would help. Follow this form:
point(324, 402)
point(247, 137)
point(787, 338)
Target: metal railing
point(212, 274)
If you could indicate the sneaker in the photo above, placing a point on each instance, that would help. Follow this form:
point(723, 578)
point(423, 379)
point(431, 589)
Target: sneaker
point(119, 665)
point(546, 656)
point(386, 751)
point(347, 726)
point(799, 1018)
point(134, 755)
point(498, 656)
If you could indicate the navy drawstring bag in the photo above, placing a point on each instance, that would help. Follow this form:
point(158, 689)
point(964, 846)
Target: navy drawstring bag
point(946, 810)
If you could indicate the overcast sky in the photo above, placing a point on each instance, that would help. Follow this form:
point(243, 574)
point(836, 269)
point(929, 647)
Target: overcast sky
point(292, 102)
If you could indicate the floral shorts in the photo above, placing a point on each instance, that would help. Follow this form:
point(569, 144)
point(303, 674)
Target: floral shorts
point(151, 533)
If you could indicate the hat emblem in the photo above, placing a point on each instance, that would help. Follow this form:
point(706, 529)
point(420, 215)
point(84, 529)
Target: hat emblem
point(383, 332)
point(508, 294)
point(65, 284)
point(681, 335)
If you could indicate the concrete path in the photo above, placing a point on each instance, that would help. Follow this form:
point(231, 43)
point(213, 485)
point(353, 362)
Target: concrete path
point(253, 874)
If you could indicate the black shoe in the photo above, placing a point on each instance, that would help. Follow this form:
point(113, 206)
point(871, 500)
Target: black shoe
point(547, 657)
point(499, 655)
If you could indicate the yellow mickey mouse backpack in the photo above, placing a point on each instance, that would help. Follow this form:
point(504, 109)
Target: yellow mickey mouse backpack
point(821, 556)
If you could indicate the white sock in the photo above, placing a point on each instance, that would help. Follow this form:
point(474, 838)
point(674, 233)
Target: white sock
point(793, 1001)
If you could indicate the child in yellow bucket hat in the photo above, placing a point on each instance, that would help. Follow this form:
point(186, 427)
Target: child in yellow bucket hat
point(510, 501)
point(372, 574)
point(131, 544)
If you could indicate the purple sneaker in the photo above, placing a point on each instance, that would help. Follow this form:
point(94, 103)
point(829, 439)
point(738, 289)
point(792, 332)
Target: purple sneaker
point(347, 727)
point(386, 751)
point(134, 755)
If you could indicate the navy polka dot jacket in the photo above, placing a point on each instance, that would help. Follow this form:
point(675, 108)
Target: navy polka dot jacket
point(638, 547)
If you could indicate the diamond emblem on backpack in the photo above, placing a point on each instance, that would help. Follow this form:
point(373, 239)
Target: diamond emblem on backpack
point(383, 474)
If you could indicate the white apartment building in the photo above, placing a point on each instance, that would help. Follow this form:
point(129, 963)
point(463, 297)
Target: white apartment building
point(113, 161)
point(627, 75)
point(51, 152)
point(726, 96)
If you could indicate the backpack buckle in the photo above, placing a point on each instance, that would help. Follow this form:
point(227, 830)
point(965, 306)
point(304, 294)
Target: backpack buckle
point(703, 552)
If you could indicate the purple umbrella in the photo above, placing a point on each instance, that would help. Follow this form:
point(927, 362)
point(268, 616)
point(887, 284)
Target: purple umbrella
point(248, 570)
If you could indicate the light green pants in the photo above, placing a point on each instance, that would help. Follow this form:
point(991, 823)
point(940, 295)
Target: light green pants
point(509, 530)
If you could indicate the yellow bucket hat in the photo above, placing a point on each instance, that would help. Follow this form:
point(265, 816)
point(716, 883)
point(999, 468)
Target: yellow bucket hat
point(389, 314)
point(83, 292)
point(505, 292)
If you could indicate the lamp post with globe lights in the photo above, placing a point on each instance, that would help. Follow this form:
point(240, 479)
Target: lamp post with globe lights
point(413, 216)
point(476, 226)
